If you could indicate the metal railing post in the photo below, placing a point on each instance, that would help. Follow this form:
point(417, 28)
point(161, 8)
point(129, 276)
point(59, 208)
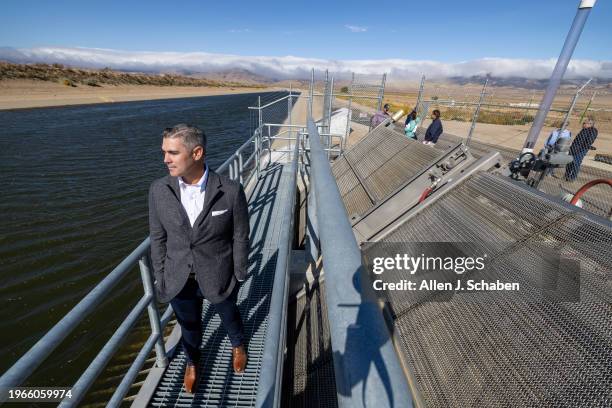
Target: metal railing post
point(240, 168)
point(257, 151)
point(231, 171)
point(259, 110)
point(477, 112)
point(149, 289)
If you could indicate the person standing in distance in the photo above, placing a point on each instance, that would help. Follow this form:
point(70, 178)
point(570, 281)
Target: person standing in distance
point(199, 229)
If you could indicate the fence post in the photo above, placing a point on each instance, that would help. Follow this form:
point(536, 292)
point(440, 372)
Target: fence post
point(381, 92)
point(329, 105)
point(347, 132)
point(573, 104)
point(477, 112)
point(311, 93)
point(420, 95)
point(587, 108)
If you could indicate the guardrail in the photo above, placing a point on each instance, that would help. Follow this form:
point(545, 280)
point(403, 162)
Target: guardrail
point(269, 389)
point(367, 368)
point(237, 166)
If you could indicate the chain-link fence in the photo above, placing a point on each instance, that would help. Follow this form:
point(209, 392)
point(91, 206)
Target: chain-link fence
point(492, 117)
point(343, 104)
point(362, 95)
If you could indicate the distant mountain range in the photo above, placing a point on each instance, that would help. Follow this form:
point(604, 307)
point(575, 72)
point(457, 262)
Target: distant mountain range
point(239, 76)
point(527, 83)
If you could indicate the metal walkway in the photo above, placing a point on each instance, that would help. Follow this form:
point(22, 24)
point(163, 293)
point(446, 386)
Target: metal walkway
point(218, 385)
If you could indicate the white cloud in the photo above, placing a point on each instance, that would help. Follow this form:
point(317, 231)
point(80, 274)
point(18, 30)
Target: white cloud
point(356, 29)
point(298, 67)
point(239, 30)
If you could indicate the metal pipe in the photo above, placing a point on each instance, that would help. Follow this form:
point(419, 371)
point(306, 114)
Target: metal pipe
point(350, 112)
point(555, 80)
point(493, 105)
point(259, 111)
point(130, 376)
point(477, 112)
point(268, 391)
point(269, 103)
point(240, 168)
point(312, 231)
point(359, 335)
point(26, 365)
point(572, 105)
point(381, 93)
point(329, 105)
point(587, 107)
point(258, 151)
point(97, 365)
point(420, 95)
point(166, 317)
point(149, 290)
point(311, 93)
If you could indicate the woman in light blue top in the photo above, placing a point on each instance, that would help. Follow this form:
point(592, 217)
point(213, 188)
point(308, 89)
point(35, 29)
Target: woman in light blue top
point(412, 122)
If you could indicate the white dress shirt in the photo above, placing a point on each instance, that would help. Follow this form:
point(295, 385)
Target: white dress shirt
point(192, 196)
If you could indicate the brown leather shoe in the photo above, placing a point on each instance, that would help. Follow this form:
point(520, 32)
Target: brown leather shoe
point(240, 359)
point(190, 378)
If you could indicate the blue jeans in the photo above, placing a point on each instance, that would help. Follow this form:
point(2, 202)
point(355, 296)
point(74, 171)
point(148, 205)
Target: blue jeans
point(187, 306)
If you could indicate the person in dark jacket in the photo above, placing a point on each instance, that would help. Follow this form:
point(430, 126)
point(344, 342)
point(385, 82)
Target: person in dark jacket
point(434, 130)
point(199, 227)
point(580, 147)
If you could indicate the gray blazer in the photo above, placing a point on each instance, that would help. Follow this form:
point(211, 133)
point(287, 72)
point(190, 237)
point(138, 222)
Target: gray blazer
point(216, 248)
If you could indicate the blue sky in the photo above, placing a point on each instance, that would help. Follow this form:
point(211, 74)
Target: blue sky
point(445, 31)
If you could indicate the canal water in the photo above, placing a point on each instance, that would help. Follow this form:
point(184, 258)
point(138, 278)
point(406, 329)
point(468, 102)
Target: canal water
point(74, 204)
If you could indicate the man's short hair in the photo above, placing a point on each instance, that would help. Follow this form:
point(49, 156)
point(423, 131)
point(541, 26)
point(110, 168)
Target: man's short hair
point(436, 112)
point(191, 136)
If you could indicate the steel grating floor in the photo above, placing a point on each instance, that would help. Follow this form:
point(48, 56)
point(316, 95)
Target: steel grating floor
point(309, 378)
point(218, 386)
point(375, 167)
point(499, 350)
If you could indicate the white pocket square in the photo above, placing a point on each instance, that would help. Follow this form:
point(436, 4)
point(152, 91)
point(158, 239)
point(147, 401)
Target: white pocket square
point(215, 213)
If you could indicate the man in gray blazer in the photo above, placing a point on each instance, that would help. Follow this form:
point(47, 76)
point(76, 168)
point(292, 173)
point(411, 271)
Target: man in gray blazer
point(199, 230)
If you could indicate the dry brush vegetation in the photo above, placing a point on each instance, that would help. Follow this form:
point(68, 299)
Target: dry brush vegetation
point(74, 77)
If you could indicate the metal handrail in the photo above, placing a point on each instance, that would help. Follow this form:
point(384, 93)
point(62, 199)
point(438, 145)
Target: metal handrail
point(268, 391)
point(34, 357)
point(359, 337)
point(26, 365)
